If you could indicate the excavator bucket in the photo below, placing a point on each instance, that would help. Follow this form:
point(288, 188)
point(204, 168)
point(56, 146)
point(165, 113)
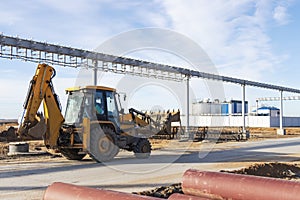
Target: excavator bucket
point(38, 131)
point(35, 130)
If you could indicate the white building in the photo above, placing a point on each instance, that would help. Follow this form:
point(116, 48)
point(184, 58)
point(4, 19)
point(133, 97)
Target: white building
point(228, 114)
point(237, 121)
point(266, 111)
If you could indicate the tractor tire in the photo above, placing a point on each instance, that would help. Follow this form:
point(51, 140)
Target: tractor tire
point(142, 149)
point(103, 144)
point(72, 154)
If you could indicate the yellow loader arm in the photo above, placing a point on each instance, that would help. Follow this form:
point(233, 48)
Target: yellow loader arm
point(33, 124)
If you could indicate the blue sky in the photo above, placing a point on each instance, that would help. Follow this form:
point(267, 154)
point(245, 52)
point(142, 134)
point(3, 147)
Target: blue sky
point(256, 40)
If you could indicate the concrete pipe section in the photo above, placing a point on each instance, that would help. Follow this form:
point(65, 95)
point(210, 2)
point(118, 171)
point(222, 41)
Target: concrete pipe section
point(217, 185)
point(16, 148)
point(64, 191)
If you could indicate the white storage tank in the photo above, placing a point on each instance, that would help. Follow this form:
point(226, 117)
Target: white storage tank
point(215, 109)
point(201, 108)
point(234, 107)
point(206, 108)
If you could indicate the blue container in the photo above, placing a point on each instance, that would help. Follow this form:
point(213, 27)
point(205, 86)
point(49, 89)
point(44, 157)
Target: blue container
point(234, 107)
point(224, 109)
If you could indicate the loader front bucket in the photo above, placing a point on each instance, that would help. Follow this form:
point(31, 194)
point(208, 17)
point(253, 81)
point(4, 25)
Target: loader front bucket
point(149, 124)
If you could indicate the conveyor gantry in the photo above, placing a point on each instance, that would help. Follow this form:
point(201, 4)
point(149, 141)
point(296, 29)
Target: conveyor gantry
point(34, 51)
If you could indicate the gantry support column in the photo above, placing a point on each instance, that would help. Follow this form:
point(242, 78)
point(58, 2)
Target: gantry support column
point(243, 109)
point(244, 132)
point(281, 130)
point(95, 72)
point(188, 108)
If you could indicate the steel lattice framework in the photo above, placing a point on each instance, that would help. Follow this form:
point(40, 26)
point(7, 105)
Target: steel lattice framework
point(34, 51)
point(291, 98)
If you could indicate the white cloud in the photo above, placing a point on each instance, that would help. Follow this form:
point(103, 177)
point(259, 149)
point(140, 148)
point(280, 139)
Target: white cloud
point(280, 15)
point(8, 18)
point(77, 7)
point(83, 23)
point(233, 33)
point(11, 102)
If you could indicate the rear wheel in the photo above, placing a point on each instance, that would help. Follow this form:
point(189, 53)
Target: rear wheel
point(142, 149)
point(103, 144)
point(72, 154)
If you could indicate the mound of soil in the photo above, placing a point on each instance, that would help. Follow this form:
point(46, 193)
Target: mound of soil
point(162, 192)
point(9, 135)
point(275, 170)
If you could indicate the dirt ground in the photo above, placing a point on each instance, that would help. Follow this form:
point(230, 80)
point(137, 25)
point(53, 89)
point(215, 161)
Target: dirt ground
point(289, 171)
point(4, 127)
point(8, 134)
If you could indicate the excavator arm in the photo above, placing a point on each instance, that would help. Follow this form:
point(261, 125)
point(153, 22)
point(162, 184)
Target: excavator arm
point(33, 124)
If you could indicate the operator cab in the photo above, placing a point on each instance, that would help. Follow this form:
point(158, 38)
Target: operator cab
point(97, 103)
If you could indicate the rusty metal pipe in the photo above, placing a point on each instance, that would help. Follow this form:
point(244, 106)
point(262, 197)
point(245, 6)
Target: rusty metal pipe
point(177, 196)
point(217, 185)
point(64, 191)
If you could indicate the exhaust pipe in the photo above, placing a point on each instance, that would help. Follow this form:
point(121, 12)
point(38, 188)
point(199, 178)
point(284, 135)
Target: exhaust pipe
point(64, 191)
point(217, 185)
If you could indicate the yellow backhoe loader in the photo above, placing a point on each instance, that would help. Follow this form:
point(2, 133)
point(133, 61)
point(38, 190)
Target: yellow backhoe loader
point(94, 122)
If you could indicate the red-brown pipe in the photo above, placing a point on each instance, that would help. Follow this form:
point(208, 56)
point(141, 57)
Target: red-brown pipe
point(177, 196)
point(219, 185)
point(64, 191)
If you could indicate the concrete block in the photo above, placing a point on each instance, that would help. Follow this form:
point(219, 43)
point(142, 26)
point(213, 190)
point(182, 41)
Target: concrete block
point(280, 131)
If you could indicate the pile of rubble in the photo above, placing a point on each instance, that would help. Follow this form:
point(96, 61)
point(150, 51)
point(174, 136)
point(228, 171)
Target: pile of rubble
point(8, 135)
point(274, 170)
point(162, 192)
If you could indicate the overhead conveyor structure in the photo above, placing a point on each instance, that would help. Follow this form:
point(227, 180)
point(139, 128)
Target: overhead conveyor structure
point(35, 51)
point(291, 98)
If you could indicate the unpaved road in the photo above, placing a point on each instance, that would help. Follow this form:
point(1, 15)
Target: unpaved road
point(28, 179)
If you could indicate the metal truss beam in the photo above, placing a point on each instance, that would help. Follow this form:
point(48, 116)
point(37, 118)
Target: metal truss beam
point(278, 98)
point(30, 50)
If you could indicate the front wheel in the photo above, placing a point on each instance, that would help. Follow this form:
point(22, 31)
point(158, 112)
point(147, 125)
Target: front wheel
point(142, 149)
point(103, 144)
